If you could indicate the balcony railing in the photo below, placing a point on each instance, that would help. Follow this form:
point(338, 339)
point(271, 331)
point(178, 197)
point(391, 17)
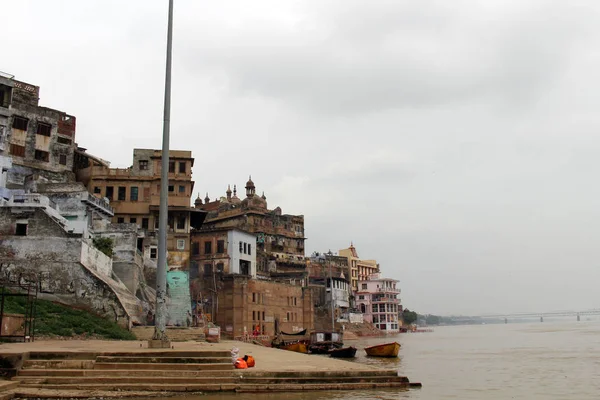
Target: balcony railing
point(100, 203)
point(33, 199)
point(388, 290)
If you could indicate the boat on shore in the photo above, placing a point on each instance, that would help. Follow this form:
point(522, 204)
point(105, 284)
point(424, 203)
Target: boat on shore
point(383, 350)
point(323, 342)
point(298, 347)
point(345, 352)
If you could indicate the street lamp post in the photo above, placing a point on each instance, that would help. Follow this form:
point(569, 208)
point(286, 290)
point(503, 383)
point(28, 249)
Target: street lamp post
point(160, 338)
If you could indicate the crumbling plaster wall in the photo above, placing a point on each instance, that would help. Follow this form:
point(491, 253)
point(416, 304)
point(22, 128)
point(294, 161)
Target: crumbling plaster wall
point(55, 264)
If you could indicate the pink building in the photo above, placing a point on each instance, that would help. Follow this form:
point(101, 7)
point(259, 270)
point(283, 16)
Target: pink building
point(378, 300)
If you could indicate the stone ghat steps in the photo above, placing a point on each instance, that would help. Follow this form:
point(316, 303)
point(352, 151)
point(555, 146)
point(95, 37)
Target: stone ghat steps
point(164, 360)
point(69, 373)
point(155, 366)
point(226, 387)
point(175, 334)
point(263, 380)
point(42, 355)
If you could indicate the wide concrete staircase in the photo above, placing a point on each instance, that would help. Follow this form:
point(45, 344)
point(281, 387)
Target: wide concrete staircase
point(177, 371)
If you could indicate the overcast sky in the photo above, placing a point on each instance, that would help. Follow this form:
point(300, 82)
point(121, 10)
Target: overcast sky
point(456, 142)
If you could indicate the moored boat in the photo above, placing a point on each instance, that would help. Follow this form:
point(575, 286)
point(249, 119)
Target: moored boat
point(346, 352)
point(298, 347)
point(384, 350)
point(323, 342)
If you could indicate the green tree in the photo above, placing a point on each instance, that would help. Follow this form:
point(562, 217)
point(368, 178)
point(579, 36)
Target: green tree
point(105, 245)
point(432, 319)
point(409, 317)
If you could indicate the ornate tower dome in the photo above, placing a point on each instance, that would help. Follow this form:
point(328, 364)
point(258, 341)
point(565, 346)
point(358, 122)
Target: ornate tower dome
point(250, 188)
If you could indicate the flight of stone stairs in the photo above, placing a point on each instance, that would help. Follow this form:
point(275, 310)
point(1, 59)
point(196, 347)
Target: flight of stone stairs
point(175, 334)
point(177, 371)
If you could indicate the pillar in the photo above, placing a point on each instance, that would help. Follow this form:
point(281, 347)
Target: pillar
point(541, 319)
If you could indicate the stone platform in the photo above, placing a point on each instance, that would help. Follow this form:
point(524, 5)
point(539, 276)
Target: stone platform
point(80, 369)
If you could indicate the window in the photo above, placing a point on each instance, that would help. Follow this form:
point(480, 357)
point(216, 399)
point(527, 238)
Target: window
point(182, 167)
point(21, 229)
point(181, 222)
point(207, 247)
point(120, 220)
point(220, 267)
point(361, 297)
point(16, 150)
point(253, 315)
point(294, 300)
point(180, 244)
point(44, 129)
point(97, 190)
point(245, 248)
point(263, 315)
point(249, 249)
point(153, 252)
point(241, 247)
point(195, 248)
point(62, 159)
point(220, 246)
point(181, 189)
point(364, 286)
point(172, 167)
point(42, 155)
point(133, 220)
point(122, 193)
point(20, 123)
point(109, 192)
point(144, 223)
point(288, 316)
point(143, 164)
point(133, 193)
point(171, 188)
point(63, 140)
point(207, 269)
point(253, 297)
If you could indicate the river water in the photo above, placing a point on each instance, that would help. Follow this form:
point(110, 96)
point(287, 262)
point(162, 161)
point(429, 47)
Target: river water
point(549, 360)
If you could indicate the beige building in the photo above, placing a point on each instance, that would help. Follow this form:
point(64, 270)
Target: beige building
point(134, 194)
point(360, 270)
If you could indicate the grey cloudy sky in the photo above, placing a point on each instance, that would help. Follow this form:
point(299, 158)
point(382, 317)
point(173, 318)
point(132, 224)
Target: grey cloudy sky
point(454, 141)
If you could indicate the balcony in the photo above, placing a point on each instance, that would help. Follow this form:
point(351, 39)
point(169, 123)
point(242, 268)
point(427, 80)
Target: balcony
point(388, 290)
point(98, 204)
point(33, 200)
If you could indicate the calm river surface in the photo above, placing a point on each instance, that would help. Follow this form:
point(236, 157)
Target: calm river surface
point(550, 360)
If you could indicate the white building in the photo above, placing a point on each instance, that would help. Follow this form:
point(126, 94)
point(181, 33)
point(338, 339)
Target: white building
point(378, 300)
point(341, 294)
point(241, 249)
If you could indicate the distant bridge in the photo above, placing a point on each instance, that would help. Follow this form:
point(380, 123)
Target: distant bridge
point(540, 315)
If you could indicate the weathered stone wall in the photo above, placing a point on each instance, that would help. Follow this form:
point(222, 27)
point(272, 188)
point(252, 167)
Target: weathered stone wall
point(93, 258)
point(245, 303)
point(54, 263)
point(39, 224)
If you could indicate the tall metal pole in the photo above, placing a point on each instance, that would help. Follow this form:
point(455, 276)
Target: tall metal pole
point(161, 270)
point(331, 293)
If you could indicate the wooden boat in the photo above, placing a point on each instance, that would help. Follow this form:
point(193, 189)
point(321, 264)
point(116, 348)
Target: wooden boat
point(324, 341)
point(384, 350)
point(345, 352)
point(298, 347)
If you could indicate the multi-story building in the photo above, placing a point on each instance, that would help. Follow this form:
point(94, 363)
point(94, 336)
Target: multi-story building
point(327, 271)
point(134, 194)
point(360, 270)
point(377, 298)
point(271, 249)
point(227, 251)
point(40, 140)
point(279, 237)
point(244, 303)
